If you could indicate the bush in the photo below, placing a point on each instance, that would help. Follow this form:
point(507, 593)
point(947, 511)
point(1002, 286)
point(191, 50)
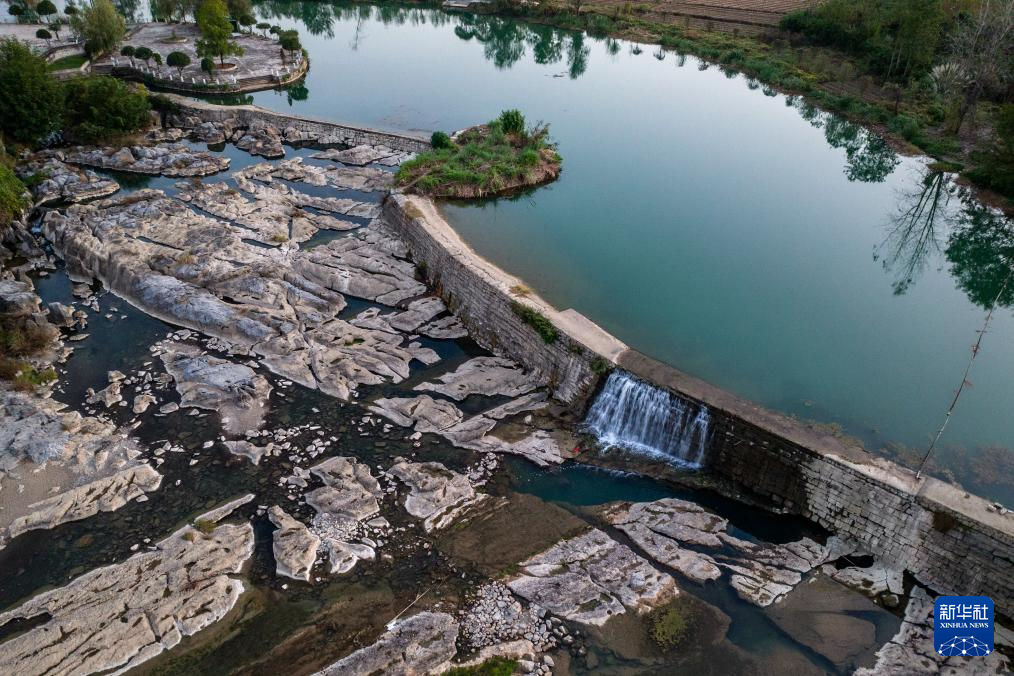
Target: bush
point(100, 26)
point(101, 107)
point(512, 121)
point(996, 161)
point(12, 197)
point(208, 65)
point(537, 321)
point(43, 34)
point(163, 104)
point(143, 53)
point(31, 102)
point(127, 50)
point(178, 60)
point(440, 140)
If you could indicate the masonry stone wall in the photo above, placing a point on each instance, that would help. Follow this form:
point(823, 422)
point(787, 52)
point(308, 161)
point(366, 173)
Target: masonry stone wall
point(482, 297)
point(333, 132)
point(950, 540)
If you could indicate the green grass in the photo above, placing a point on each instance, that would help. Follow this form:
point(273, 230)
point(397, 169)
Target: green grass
point(495, 666)
point(537, 321)
point(483, 161)
point(74, 61)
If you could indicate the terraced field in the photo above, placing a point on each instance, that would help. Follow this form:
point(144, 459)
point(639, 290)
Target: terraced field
point(746, 17)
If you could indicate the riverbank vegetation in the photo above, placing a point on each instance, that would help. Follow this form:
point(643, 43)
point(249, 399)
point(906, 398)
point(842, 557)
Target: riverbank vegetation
point(934, 74)
point(495, 158)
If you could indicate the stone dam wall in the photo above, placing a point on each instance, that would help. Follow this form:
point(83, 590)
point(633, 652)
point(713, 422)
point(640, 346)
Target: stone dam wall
point(309, 127)
point(950, 540)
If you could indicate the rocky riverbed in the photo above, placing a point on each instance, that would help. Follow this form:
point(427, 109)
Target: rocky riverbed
point(303, 463)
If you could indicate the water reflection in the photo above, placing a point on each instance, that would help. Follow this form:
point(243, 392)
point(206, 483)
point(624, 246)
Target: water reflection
point(981, 253)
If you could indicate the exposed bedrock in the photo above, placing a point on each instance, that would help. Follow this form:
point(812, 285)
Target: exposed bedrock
point(169, 159)
point(348, 498)
point(62, 466)
point(442, 417)
point(592, 578)
point(418, 645)
point(58, 181)
point(437, 495)
point(234, 390)
point(118, 616)
point(294, 546)
point(487, 376)
point(671, 531)
point(198, 272)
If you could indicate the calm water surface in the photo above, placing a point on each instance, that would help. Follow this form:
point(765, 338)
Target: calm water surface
point(726, 230)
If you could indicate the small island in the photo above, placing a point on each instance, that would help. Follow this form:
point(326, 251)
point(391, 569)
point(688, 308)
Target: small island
point(498, 158)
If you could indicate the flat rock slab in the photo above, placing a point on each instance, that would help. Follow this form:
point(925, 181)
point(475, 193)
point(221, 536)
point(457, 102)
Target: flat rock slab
point(437, 495)
point(487, 376)
point(427, 414)
point(358, 156)
point(236, 391)
point(169, 159)
point(363, 179)
point(119, 616)
point(62, 182)
point(419, 645)
point(350, 496)
point(592, 578)
point(294, 546)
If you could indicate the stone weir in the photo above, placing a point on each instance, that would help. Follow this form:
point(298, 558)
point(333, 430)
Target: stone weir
point(950, 540)
point(296, 128)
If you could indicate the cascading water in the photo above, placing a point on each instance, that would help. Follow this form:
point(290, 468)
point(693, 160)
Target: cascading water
point(634, 415)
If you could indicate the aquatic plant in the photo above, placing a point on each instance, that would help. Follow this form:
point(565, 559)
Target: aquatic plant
point(670, 624)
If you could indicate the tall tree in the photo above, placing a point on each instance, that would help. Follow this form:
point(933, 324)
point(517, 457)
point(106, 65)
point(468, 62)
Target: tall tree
point(216, 31)
point(100, 26)
point(983, 48)
point(31, 101)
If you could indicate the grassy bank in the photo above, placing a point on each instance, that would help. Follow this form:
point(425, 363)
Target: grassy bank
point(912, 116)
point(492, 159)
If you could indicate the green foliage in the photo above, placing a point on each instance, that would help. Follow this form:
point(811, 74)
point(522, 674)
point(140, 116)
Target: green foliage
point(101, 107)
point(208, 65)
point(289, 41)
point(248, 21)
point(898, 40)
point(495, 666)
point(484, 160)
point(216, 31)
point(440, 140)
point(12, 197)
point(46, 8)
point(536, 320)
point(31, 102)
point(237, 8)
point(601, 366)
point(996, 160)
point(512, 122)
point(670, 624)
point(143, 53)
point(178, 60)
point(100, 27)
point(43, 34)
point(128, 51)
point(163, 103)
point(206, 526)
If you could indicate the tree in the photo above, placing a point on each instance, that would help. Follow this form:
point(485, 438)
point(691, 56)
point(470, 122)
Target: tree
point(983, 49)
point(43, 34)
point(55, 27)
point(31, 102)
point(275, 30)
point(70, 9)
point(289, 41)
point(208, 65)
point(144, 54)
point(263, 28)
point(100, 107)
point(129, 52)
point(157, 58)
point(178, 60)
point(216, 31)
point(237, 8)
point(46, 8)
point(247, 20)
point(100, 26)
point(16, 10)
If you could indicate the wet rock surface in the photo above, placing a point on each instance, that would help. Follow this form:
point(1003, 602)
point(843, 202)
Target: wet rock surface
point(590, 579)
point(437, 495)
point(348, 499)
point(122, 615)
point(420, 644)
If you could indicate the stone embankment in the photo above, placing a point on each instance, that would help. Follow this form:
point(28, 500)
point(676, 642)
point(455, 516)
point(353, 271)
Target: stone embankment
point(950, 540)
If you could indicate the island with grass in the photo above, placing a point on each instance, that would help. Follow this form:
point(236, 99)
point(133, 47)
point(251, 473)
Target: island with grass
point(501, 157)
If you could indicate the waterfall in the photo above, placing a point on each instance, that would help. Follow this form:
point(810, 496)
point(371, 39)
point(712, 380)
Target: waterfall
point(644, 419)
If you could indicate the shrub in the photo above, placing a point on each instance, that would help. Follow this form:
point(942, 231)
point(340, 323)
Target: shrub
point(100, 26)
point(12, 197)
point(248, 21)
point(495, 666)
point(101, 107)
point(440, 140)
point(996, 160)
point(178, 60)
point(601, 366)
point(204, 525)
point(143, 53)
point(537, 321)
point(31, 101)
point(512, 121)
point(43, 34)
point(163, 103)
point(127, 50)
point(208, 65)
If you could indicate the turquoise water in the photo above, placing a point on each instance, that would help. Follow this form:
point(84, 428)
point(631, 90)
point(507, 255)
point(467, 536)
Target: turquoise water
point(712, 224)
